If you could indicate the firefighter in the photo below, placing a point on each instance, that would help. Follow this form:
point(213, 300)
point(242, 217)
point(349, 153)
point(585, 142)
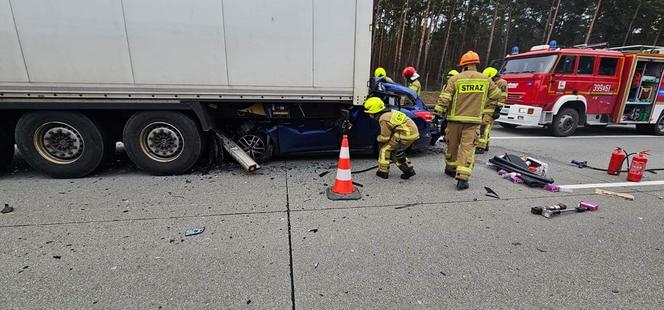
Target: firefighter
point(397, 133)
point(413, 79)
point(487, 121)
point(462, 103)
point(450, 74)
point(381, 75)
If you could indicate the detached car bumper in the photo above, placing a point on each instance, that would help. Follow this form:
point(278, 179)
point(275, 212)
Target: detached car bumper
point(524, 115)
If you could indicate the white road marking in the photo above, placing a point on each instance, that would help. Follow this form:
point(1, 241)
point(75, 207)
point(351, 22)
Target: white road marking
point(573, 137)
point(618, 184)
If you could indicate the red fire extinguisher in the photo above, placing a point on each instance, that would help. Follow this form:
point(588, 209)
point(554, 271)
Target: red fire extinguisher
point(617, 158)
point(638, 166)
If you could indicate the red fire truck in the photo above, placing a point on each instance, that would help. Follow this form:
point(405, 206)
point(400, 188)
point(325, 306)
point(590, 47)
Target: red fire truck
point(563, 88)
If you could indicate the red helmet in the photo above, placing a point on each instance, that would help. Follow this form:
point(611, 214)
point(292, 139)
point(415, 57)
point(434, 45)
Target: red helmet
point(408, 72)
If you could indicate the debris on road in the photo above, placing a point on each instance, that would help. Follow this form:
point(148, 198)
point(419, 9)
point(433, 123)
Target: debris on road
point(313, 230)
point(531, 172)
point(7, 209)
point(194, 231)
point(57, 256)
point(324, 173)
point(315, 265)
point(406, 206)
point(600, 191)
point(560, 208)
point(491, 193)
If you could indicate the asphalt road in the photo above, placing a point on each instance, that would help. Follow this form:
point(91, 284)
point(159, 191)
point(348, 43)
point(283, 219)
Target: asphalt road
point(272, 240)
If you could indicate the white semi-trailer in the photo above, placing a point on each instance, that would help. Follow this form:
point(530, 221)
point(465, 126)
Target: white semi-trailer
point(76, 76)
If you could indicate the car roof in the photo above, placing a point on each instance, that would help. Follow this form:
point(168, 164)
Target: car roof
point(394, 87)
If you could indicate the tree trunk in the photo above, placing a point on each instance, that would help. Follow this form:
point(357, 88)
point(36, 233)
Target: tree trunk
point(493, 28)
point(548, 21)
point(427, 47)
point(659, 33)
point(447, 37)
point(507, 30)
point(631, 23)
point(592, 22)
point(425, 26)
point(553, 22)
point(400, 35)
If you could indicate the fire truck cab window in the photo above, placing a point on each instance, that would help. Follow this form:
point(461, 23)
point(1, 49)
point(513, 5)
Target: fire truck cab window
point(607, 66)
point(586, 65)
point(566, 64)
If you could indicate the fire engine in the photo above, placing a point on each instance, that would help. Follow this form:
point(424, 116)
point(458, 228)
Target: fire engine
point(562, 88)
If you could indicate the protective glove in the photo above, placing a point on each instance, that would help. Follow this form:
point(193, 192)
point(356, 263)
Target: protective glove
point(439, 110)
point(496, 114)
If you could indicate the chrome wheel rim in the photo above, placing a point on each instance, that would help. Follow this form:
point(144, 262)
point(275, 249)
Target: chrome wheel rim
point(161, 141)
point(253, 145)
point(59, 142)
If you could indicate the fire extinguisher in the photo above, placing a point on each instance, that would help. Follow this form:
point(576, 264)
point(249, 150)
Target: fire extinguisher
point(617, 158)
point(638, 166)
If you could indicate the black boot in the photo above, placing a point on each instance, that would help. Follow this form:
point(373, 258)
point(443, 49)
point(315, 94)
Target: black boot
point(383, 174)
point(479, 150)
point(450, 173)
point(462, 185)
point(408, 173)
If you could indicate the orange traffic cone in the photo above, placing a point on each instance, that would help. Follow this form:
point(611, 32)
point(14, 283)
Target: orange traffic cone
point(343, 188)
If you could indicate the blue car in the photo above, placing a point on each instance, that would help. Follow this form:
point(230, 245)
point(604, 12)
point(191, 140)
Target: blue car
point(321, 134)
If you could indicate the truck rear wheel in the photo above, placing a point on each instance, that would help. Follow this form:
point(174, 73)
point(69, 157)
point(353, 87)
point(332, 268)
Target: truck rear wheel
point(162, 143)
point(6, 147)
point(565, 122)
point(656, 129)
point(60, 144)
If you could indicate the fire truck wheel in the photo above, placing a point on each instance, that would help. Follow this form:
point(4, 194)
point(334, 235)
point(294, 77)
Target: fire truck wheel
point(60, 144)
point(656, 129)
point(508, 126)
point(162, 142)
point(6, 147)
point(565, 122)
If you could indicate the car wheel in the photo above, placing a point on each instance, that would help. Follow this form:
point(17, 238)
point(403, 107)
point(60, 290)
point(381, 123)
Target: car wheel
point(565, 122)
point(6, 147)
point(60, 144)
point(508, 126)
point(256, 145)
point(162, 143)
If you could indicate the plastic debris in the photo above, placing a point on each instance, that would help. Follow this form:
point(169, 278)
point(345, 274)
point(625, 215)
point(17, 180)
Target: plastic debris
point(552, 188)
point(313, 230)
point(7, 209)
point(491, 193)
point(194, 231)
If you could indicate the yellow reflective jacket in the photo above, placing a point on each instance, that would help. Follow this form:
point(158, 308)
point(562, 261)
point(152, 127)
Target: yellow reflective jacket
point(416, 86)
point(466, 96)
point(396, 126)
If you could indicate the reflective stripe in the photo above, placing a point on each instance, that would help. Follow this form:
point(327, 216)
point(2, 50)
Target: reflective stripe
point(343, 175)
point(398, 118)
point(439, 108)
point(408, 137)
point(445, 95)
point(496, 92)
point(491, 110)
point(464, 170)
point(453, 164)
point(465, 119)
point(382, 158)
point(344, 153)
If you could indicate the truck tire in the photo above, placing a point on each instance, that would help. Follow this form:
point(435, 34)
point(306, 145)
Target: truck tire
point(507, 125)
point(6, 147)
point(565, 122)
point(60, 144)
point(162, 142)
point(656, 129)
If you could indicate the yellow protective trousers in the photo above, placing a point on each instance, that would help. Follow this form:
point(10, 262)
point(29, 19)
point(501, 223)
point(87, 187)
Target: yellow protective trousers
point(485, 132)
point(460, 153)
point(386, 155)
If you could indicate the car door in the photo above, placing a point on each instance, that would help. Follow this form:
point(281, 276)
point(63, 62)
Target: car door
point(606, 84)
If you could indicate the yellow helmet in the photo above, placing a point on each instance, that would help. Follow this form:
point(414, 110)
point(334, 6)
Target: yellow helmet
point(452, 73)
point(374, 105)
point(490, 71)
point(380, 72)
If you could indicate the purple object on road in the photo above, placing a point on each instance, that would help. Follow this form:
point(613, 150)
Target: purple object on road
point(590, 206)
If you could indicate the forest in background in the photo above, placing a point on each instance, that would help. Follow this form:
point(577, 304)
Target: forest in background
point(432, 34)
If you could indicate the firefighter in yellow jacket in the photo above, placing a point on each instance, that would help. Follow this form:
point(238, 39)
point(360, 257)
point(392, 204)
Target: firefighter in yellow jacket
point(487, 121)
point(462, 102)
point(413, 79)
point(381, 75)
point(397, 133)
